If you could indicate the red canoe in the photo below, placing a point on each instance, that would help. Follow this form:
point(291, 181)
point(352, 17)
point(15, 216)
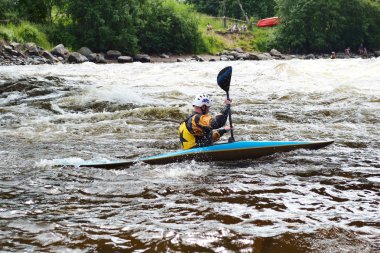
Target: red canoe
point(268, 22)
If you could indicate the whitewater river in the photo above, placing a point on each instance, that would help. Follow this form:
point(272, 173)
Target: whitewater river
point(325, 200)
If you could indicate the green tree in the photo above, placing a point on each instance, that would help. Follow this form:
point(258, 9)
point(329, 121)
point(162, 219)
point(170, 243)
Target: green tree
point(103, 25)
point(32, 10)
point(321, 25)
point(168, 27)
point(7, 10)
point(231, 8)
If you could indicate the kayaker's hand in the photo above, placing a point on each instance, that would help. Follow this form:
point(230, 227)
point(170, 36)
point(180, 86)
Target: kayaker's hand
point(228, 101)
point(228, 128)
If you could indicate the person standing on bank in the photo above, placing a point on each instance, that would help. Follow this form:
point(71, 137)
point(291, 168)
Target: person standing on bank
point(200, 129)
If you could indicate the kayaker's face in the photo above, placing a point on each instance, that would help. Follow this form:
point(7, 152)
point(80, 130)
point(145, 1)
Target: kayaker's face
point(204, 109)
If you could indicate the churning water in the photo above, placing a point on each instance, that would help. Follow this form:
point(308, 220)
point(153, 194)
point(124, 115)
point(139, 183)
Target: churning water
point(303, 201)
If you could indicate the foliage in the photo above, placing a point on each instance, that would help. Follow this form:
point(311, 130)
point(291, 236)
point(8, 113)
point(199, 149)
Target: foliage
point(102, 25)
point(322, 25)
point(169, 27)
point(24, 32)
point(6, 33)
point(263, 38)
point(130, 26)
point(32, 10)
point(230, 8)
point(155, 26)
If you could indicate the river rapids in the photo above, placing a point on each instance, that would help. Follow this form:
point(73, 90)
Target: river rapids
point(325, 200)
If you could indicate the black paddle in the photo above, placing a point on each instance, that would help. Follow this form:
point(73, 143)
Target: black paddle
point(224, 80)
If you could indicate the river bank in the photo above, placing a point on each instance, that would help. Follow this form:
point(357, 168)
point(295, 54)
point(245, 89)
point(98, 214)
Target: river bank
point(30, 54)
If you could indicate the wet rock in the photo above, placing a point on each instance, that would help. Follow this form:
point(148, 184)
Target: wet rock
point(16, 46)
point(60, 51)
point(141, 58)
point(124, 59)
point(85, 51)
point(265, 56)
point(310, 57)
point(32, 49)
point(240, 56)
point(180, 60)
point(164, 56)
point(99, 58)
point(76, 57)
point(377, 53)
point(113, 54)
point(224, 58)
point(49, 56)
point(198, 58)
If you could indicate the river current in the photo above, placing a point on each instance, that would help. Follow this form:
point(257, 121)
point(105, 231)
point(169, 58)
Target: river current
point(325, 200)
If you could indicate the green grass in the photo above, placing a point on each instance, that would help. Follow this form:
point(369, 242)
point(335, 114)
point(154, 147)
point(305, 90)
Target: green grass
point(23, 33)
point(255, 39)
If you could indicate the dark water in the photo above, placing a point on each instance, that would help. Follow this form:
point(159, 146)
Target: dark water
point(303, 201)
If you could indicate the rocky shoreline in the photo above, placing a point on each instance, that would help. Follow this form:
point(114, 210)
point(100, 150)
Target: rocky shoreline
point(30, 54)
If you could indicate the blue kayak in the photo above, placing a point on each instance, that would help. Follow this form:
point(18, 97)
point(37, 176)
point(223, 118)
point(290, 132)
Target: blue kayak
point(239, 150)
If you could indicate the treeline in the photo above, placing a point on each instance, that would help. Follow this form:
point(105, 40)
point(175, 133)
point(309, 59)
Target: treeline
point(131, 26)
point(156, 26)
point(308, 26)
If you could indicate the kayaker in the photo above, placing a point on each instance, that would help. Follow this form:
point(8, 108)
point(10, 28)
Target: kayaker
point(200, 129)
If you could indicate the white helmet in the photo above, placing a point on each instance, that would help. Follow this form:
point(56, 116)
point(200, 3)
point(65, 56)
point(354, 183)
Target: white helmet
point(202, 99)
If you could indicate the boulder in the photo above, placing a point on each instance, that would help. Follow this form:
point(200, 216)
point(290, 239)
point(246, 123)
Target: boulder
point(76, 57)
point(124, 59)
point(231, 57)
point(198, 58)
point(239, 50)
point(15, 45)
point(164, 56)
point(265, 56)
point(49, 56)
point(113, 54)
point(377, 53)
point(99, 58)
point(85, 51)
point(32, 49)
point(275, 53)
point(254, 56)
point(91, 57)
point(180, 60)
point(60, 51)
point(239, 56)
point(224, 58)
point(141, 58)
point(7, 48)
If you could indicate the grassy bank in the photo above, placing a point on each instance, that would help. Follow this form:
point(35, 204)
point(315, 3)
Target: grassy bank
point(217, 40)
point(255, 39)
point(23, 33)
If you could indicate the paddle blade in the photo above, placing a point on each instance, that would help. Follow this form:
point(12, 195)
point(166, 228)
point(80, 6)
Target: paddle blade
point(224, 78)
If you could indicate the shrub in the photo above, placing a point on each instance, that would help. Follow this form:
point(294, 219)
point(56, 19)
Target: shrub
point(6, 34)
point(26, 32)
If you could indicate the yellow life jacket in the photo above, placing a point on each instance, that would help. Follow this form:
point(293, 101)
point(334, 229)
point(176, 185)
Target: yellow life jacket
point(186, 138)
